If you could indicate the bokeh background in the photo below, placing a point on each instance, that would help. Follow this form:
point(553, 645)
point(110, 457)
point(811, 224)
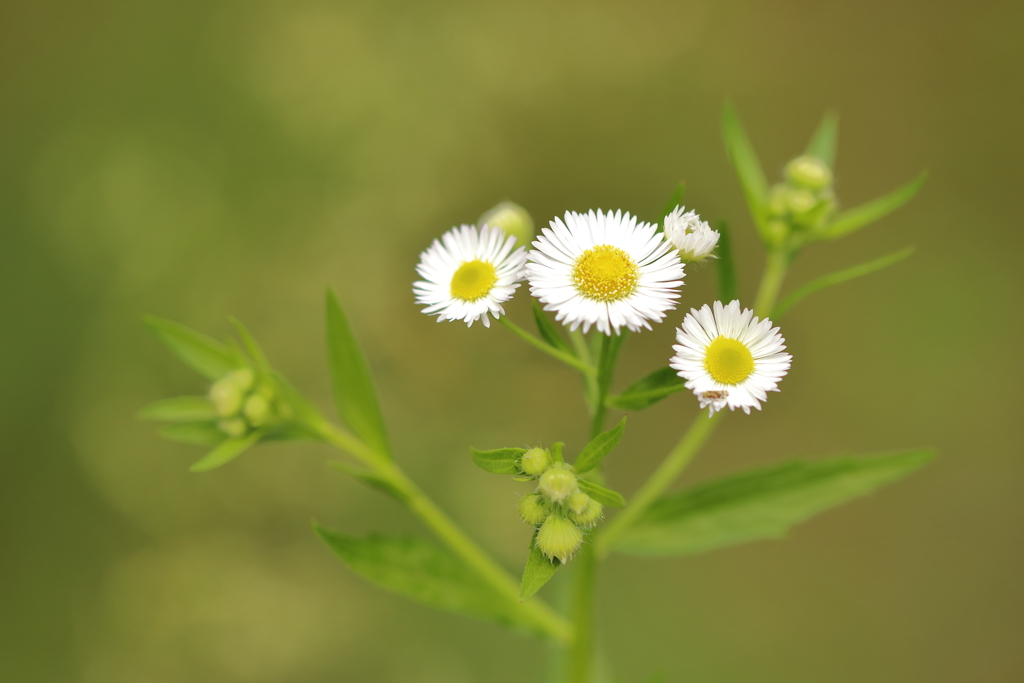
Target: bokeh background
point(204, 159)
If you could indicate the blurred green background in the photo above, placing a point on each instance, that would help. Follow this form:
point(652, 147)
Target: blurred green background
point(197, 160)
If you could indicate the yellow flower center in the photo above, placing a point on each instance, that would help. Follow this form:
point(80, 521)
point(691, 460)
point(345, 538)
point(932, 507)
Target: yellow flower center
point(728, 361)
point(605, 273)
point(473, 280)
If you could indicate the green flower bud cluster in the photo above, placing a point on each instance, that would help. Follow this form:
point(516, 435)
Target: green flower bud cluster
point(804, 202)
point(244, 403)
point(558, 509)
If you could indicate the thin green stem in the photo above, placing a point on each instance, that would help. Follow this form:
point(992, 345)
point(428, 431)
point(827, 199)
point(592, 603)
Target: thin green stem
point(673, 465)
point(771, 281)
point(539, 613)
point(581, 654)
point(579, 342)
point(584, 367)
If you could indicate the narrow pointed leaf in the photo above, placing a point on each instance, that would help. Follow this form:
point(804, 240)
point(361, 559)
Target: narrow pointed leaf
point(649, 390)
point(371, 479)
point(226, 452)
point(763, 503)
point(424, 572)
point(251, 347)
point(354, 393)
point(612, 499)
point(748, 168)
point(539, 570)
point(207, 356)
point(675, 200)
point(837, 278)
point(197, 433)
point(823, 143)
point(548, 331)
point(179, 409)
point(856, 218)
point(600, 446)
point(500, 460)
point(725, 267)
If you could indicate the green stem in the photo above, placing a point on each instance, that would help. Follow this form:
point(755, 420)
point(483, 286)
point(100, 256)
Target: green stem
point(667, 472)
point(581, 654)
point(539, 613)
point(771, 281)
point(566, 358)
point(579, 342)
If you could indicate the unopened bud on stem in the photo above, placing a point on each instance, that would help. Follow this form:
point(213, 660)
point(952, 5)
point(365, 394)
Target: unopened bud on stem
point(533, 508)
point(558, 483)
point(559, 538)
point(513, 219)
point(535, 461)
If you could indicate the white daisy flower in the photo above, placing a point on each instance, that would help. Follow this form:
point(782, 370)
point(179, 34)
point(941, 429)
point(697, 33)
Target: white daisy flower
point(605, 270)
point(728, 357)
point(468, 273)
point(693, 237)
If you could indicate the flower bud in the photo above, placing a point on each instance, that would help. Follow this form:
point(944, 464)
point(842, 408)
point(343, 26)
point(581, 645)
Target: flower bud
point(226, 397)
point(234, 428)
point(533, 508)
point(777, 231)
point(692, 237)
point(511, 218)
point(809, 173)
point(777, 201)
point(535, 461)
point(256, 410)
point(800, 202)
point(589, 516)
point(558, 483)
point(578, 502)
point(559, 538)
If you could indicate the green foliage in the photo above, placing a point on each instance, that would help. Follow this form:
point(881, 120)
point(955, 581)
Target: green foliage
point(556, 451)
point(226, 451)
point(179, 409)
point(548, 332)
point(748, 168)
point(354, 393)
point(499, 460)
point(208, 357)
point(854, 219)
point(539, 570)
point(371, 479)
point(251, 347)
point(424, 572)
point(649, 390)
point(600, 446)
point(612, 499)
point(196, 433)
point(837, 278)
point(763, 503)
point(728, 284)
point(823, 143)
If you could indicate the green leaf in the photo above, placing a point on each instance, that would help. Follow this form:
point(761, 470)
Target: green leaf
point(422, 571)
point(208, 357)
point(838, 277)
point(556, 451)
point(728, 285)
point(748, 168)
point(762, 503)
point(198, 433)
point(353, 385)
point(539, 570)
point(675, 200)
point(600, 446)
point(371, 479)
point(225, 452)
point(500, 460)
point(649, 390)
point(854, 219)
point(612, 499)
point(179, 409)
point(251, 347)
point(823, 143)
point(548, 331)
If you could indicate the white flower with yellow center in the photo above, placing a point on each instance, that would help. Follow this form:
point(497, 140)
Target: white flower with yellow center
point(468, 273)
point(729, 357)
point(693, 237)
point(605, 270)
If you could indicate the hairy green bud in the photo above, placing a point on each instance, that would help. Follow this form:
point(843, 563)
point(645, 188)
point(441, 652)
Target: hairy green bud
point(578, 502)
point(234, 428)
point(226, 397)
point(558, 483)
point(256, 410)
point(809, 173)
point(535, 461)
point(589, 515)
point(511, 218)
point(801, 202)
point(559, 538)
point(533, 509)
